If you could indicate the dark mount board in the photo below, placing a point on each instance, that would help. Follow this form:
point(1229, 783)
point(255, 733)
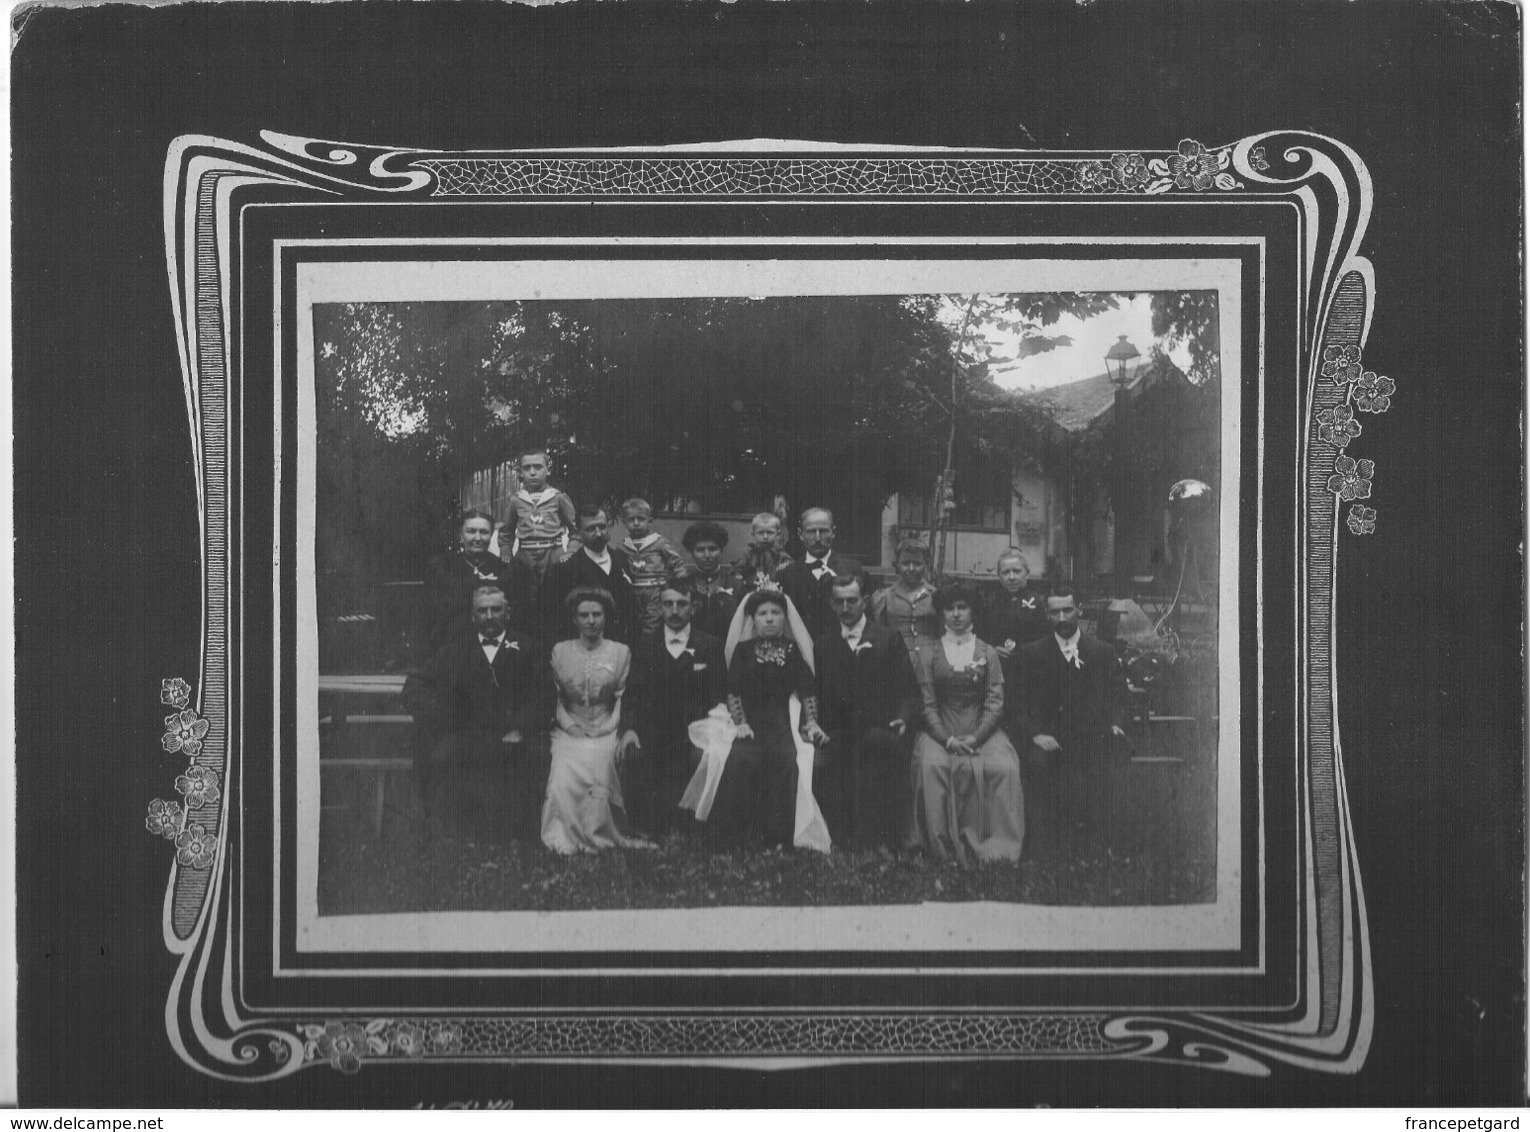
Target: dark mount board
point(1428, 608)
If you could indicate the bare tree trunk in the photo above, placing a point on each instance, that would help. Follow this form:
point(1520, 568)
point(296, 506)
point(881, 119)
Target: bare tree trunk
point(940, 521)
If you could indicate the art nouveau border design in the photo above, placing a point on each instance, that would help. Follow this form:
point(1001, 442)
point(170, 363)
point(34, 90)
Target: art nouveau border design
point(1331, 188)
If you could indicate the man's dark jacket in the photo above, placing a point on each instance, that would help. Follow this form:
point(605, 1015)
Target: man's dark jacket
point(458, 690)
point(868, 689)
point(1076, 706)
point(811, 595)
point(666, 694)
point(579, 570)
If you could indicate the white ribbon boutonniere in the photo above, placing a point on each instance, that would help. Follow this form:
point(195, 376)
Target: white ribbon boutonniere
point(862, 647)
point(516, 645)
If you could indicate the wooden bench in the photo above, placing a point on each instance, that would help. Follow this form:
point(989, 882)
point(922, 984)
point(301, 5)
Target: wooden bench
point(377, 687)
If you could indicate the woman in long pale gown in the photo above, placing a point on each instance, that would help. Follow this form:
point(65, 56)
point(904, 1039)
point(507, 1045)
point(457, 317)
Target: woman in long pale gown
point(584, 810)
point(967, 797)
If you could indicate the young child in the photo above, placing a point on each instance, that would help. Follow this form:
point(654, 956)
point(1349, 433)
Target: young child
point(652, 561)
point(540, 516)
point(765, 554)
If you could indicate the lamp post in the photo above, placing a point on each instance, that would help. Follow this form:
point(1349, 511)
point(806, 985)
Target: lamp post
point(1121, 366)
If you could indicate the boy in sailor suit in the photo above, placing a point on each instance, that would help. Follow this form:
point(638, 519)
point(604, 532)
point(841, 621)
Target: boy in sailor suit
point(540, 516)
point(652, 560)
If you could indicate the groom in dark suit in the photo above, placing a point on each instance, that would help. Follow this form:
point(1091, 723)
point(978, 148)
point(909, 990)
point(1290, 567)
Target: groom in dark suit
point(868, 699)
point(679, 674)
point(481, 708)
point(807, 582)
point(1072, 707)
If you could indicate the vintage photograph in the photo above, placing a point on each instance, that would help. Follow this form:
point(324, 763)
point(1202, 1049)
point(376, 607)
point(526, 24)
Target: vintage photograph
point(773, 601)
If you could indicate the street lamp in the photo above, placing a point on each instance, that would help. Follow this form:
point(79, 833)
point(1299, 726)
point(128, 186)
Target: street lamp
point(1118, 358)
point(1120, 366)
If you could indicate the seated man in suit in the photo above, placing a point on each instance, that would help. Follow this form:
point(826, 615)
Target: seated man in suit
point(867, 699)
point(678, 675)
point(481, 706)
point(807, 582)
point(593, 564)
point(1073, 697)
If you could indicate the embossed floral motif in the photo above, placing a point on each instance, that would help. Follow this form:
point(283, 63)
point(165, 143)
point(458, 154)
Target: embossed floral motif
point(175, 692)
point(445, 1038)
point(184, 733)
point(200, 785)
point(408, 1039)
point(1342, 364)
point(1351, 479)
point(1257, 159)
point(1095, 175)
point(1130, 170)
point(164, 818)
point(1337, 426)
point(1193, 167)
point(343, 1044)
point(1374, 394)
point(1362, 519)
point(194, 847)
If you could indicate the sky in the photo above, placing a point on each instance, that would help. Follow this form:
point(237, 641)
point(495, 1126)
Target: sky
point(1086, 357)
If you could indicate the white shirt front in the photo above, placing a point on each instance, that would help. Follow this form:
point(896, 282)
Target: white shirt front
point(819, 566)
point(1069, 649)
point(853, 635)
point(603, 561)
point(491, 648)
point(676, 642)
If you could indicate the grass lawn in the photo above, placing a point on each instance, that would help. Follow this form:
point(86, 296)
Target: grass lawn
point(1164, 852)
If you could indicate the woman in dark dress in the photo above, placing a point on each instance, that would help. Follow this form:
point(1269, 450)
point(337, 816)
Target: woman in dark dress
point(771, 697)
point(453, 578)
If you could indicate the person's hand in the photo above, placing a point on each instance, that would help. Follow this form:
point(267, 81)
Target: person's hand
point(897, 726)
point(960, 745)
point(743, 731)
point(815, 735)
point(1047, 743)
point(630, 745)
point(512, 736)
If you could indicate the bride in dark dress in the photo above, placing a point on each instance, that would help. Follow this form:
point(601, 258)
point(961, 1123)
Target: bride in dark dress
point(764, 789)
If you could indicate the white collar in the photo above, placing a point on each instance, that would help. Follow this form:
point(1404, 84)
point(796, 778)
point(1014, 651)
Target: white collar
point(853, 634)
point(648, 540)
point(959, 651)
point(809, 560)
point(599, 559)
point(540, 497)
point(671, 637)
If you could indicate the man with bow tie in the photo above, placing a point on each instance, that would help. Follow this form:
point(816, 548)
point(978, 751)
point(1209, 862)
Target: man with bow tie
point(1073, 705)
point(807, 582)
point(868, 698)
point(679, 674)
point(481, 707)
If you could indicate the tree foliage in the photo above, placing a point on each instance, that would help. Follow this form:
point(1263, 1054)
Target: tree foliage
point(723, 403)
